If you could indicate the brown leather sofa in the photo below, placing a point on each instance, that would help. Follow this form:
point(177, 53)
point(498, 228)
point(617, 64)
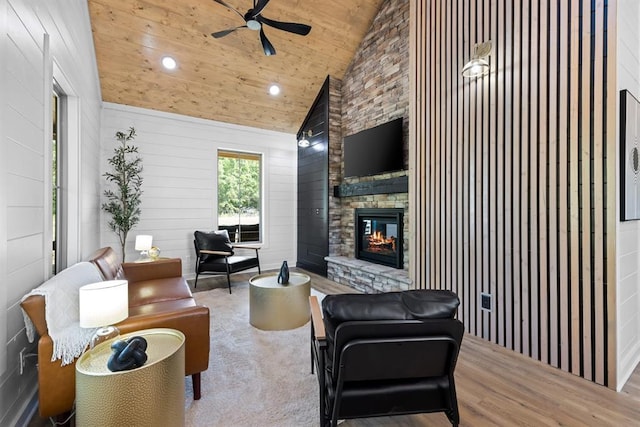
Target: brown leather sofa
point(159, 297)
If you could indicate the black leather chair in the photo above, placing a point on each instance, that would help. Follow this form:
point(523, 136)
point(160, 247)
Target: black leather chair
point(216, 255)
point(386, 354)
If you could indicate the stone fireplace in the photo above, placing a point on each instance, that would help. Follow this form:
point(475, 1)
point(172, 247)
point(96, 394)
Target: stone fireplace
point(383, 199)
point(379, 236)
point(374, 90)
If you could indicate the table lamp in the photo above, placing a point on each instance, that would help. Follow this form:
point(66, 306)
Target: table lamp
point(101, 305)
point(143, 244)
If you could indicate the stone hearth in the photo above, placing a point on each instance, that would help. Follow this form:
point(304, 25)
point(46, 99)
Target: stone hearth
point(367, 277)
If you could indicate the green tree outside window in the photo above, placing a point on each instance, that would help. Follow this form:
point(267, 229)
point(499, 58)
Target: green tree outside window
point(239, 201)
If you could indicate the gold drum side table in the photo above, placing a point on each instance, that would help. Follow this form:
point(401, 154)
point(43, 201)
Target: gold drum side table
point(151, 395)
point(276, 307)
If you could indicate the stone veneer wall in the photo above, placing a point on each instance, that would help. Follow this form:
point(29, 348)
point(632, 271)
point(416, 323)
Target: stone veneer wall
point(375, 90)
point(375, 87)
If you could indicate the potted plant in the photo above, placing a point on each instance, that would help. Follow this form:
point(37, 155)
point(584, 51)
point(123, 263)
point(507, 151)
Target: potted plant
point(123, 198)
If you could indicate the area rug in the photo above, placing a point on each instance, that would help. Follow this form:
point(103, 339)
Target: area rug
point(255, 377)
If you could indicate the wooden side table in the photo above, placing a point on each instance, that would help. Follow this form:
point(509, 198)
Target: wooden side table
point(150, 395)
point(276, 307)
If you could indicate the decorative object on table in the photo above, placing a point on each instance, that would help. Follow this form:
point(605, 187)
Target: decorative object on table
point(154, 252)
point(101, 305)
point(283, 276)
point(143, 244)
point(123, 202)
point(630, 157)
point(127, 355)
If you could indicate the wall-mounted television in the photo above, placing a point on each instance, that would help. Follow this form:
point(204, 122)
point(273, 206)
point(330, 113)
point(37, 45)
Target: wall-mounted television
point(375, 150)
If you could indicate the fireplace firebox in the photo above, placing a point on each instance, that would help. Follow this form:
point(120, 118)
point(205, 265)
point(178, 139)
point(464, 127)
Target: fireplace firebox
point(379, 236)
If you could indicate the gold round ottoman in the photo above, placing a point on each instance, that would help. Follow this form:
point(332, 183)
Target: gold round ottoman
point(151, 395)
point(276, 307)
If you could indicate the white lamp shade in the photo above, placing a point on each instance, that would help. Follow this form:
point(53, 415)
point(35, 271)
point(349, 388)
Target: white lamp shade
point(143, 242)
point(104, 303)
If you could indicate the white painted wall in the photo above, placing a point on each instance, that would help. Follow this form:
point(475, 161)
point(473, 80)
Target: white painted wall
point(180, 179)
point(628, 232)
point(26, 69)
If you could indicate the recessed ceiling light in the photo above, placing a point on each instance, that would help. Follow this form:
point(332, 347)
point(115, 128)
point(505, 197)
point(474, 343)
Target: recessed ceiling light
point(274, 90)
point(169, 63)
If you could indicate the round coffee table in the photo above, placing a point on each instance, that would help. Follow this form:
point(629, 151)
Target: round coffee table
point(276, 307)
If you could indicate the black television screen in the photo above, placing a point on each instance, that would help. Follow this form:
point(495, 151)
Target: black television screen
point(375, 150)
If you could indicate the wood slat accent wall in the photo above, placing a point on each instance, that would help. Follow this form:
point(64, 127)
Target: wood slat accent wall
point(513, 174)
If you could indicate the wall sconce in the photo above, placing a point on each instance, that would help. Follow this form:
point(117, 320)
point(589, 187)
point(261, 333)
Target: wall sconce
point(303, 141)
point(478, 65)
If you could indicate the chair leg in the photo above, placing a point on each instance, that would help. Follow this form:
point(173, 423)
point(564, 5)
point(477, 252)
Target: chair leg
point(195, 285)
point(195, 378)
point(229, 281)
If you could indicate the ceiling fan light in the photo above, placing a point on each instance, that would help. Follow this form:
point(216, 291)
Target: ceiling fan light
point(254, 25)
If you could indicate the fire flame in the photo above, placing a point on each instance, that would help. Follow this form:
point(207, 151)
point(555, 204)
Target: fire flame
point(377, 239)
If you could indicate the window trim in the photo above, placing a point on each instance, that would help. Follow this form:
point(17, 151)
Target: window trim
point(246, 155)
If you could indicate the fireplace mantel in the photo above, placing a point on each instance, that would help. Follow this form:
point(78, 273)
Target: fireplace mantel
point(399, 184)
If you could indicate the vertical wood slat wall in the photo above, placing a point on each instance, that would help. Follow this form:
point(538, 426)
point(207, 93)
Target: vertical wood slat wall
point(513, 174)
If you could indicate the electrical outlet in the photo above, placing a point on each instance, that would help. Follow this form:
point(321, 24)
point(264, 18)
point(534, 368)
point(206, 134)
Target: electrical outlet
point(485, 301)
point(22, 359)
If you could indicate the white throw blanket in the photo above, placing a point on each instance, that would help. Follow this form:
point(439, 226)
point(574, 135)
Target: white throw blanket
point(62, 312)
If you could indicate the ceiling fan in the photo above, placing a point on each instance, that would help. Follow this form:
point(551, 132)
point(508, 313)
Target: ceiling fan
point(254, 21)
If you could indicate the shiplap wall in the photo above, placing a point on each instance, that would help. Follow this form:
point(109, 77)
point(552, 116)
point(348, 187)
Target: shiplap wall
point(628, 244)
point(180, 178)
point(26, 68)
point(514, 174)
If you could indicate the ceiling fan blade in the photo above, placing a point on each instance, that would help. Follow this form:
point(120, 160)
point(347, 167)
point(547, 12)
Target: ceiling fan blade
point(266, 44)
point(292, 27)
point(257, 10)
point(229, 7)
point(223, 33)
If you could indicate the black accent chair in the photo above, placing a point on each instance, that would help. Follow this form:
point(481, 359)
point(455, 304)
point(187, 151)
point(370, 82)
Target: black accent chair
point(386, 354)
point(215, 255)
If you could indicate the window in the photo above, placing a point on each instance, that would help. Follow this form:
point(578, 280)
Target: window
point(54, 179)
point(63, 169)
point(239, 195)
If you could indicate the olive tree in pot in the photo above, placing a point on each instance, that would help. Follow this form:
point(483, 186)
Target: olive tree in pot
point(123, 198)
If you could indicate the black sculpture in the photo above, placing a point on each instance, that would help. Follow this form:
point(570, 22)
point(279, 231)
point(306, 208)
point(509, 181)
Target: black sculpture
point(283, 277)
point(129, 354)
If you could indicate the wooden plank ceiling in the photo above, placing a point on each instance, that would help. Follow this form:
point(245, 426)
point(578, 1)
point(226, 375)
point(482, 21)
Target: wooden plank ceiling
point(224, 79)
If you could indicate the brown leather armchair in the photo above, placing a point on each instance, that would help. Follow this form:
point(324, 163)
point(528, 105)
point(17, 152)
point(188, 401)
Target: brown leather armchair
point(159, 297)
point(386, 354)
